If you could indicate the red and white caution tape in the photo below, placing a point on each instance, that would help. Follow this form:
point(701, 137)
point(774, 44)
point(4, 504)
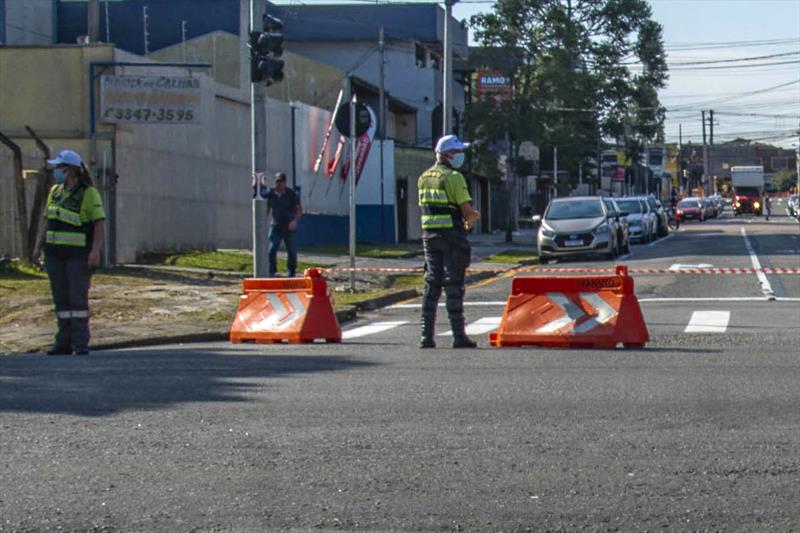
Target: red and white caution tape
point(579, 270)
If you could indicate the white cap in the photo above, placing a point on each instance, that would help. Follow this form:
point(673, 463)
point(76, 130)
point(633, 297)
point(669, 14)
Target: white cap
point(66, 157)
point(450, 142)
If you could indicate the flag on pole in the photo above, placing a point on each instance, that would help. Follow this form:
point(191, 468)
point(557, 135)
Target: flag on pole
point(328, 132)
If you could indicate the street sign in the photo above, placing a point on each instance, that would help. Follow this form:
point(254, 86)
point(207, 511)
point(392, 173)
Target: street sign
point(150, 99)
point(494, 81)
point(363, 119)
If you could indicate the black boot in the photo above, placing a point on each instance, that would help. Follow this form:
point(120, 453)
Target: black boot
point(59, 350)
point(428, 320)
point(455, 312)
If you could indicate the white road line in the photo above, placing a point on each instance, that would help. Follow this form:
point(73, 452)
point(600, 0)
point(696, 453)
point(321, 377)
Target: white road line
point(479, 327)
point(766, 288)
point(708, 322)
point(720, 299)
point(466, 304)
point(662, 239)
point(371, 329)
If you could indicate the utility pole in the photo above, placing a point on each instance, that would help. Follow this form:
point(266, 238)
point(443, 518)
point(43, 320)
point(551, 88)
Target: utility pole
point(555, 170)
point(710, 183)
point(381, 114)
point(447, 71)
point(93, 21)
point(183, 39)
point(108, 23)
point(145, 21)
point(353, 142)
point(258, 143)
point(705, 151)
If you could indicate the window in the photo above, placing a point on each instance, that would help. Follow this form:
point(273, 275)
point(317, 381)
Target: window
point(419, 56)
point(779, 163)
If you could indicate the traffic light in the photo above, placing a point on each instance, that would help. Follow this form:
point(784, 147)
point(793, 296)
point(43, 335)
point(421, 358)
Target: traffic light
point(265, 48)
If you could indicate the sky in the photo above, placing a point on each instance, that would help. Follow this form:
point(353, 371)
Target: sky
point(749, 99)
point(708, 30)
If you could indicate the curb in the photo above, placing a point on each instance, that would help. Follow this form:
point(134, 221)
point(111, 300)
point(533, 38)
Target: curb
point(343, 316)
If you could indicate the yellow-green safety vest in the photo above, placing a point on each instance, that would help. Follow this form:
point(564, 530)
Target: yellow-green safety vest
point(64, 227)
point(438, 212)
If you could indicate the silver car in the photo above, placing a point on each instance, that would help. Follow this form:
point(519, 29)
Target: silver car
point(577, 226)
point(641, 222)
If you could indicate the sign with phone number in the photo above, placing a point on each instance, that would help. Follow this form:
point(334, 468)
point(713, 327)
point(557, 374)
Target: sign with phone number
point(149, 99)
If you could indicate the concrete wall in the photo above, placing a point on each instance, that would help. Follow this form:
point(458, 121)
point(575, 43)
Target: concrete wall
point(409, 163)
point(220, 49)
point(27, 22)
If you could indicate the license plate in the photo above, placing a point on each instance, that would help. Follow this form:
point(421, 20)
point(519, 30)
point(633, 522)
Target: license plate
point(688, 216)
point(573, 243)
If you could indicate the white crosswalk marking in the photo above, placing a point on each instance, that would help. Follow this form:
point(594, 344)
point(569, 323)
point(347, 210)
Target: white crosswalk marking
point(371, 329)
point(480, 326)
point(708, 322)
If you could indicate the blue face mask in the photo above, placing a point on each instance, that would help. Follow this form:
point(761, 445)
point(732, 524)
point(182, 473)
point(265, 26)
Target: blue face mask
point(59, 175)
point(457, 160)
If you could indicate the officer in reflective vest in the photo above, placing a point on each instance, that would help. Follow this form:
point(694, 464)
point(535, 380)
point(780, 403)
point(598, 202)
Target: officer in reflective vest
point(72, 241)
point(447, 216)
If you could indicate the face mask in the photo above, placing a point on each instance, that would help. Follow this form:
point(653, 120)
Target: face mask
point(59, 175)
point(457, 160)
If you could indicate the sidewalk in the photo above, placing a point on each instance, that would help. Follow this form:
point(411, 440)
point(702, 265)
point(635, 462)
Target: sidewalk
point(137, 305)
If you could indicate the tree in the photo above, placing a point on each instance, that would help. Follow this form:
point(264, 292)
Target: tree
point(784, 180)
point(584, 70)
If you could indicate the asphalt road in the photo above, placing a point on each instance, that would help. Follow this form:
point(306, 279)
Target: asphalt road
point(698, 431)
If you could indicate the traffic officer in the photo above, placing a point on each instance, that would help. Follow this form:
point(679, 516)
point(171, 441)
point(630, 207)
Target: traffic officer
point(447, 216)
point(72, 242)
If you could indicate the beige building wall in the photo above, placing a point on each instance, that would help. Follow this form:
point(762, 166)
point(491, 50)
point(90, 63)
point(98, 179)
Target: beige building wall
point(220, 49)
point(409, 164)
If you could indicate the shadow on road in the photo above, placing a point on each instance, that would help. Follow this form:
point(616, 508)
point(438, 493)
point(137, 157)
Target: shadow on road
point(101, 385)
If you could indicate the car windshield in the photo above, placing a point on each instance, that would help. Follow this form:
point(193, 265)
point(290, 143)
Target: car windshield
point(689, 203)
point(630, 206)
point(575, 209)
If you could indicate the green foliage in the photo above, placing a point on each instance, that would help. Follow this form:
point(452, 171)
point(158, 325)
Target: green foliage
point(784, 180)
point(584, 70)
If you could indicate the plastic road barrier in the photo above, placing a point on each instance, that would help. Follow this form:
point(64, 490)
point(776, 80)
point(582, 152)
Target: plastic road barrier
point(294, 310)
point(572, 311)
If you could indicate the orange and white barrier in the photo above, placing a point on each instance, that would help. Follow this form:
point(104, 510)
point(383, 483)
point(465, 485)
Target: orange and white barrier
point(294, 310)
point(572, 311)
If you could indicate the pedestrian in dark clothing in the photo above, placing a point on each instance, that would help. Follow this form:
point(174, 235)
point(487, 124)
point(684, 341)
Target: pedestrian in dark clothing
point(284, 205)
point(71, 241)
point(447, 216)
point(768, 206)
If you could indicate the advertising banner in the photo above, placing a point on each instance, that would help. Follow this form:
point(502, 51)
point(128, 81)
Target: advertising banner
point(150, 100)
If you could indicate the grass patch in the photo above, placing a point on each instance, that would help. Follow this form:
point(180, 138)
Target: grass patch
point(18, 279)
point(512, 257)
point(234, 261)
point(342, 300)
point(407, 281)
point(376, 251)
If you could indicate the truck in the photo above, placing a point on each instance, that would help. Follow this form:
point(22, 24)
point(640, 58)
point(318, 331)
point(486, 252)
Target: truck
point(748, 189)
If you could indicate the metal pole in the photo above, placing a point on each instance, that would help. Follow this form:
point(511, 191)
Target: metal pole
point(447, 70)
point(710, 183)
point(108, 25)
point(258, 140)
point(353, 102)
point(145, 18)
point(381, 117)
point(183, 39)
point(93, 21)
point(555, 169)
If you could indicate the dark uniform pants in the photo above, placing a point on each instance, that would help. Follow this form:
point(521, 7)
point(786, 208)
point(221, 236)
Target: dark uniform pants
point(276, 235)
point(447, 256)
point(69, 282)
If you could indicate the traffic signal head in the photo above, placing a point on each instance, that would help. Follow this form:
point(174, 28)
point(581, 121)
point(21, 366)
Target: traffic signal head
point(265, 47)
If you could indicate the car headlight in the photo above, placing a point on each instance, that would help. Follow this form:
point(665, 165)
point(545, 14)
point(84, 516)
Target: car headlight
point(756, 205)
point(602, 228)
point(738, 204)
point(547, 232)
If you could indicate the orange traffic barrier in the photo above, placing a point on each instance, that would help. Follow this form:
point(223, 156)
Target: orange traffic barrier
point(572, 311)
point(295, 310)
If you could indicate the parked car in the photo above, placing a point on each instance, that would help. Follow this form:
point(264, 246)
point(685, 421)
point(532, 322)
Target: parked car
point(623, 231)
point(793, 206)
point(719, 202)
point(575, 226)
point(662, 227)
point(710, 206)
point(692, 208)
point(641, 222)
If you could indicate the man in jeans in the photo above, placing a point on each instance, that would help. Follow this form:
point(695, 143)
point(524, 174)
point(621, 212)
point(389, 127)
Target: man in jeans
point(284, 205)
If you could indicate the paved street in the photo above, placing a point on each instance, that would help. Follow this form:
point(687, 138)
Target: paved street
point(698, 431)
